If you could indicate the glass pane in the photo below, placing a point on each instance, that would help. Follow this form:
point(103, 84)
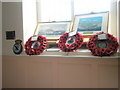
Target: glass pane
point(55, 10)
point(87, 6)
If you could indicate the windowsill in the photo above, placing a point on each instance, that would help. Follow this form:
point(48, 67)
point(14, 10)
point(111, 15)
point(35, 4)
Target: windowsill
point(80, 53)
point(54, 41)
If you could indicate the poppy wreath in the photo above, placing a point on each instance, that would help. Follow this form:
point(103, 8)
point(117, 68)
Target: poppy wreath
point(37, 50)
point(65, 47)
point(105, 47)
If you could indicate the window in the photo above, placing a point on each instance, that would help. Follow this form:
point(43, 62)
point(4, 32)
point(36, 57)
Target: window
point(87, 6)
point(64, 10)
point(54, 10)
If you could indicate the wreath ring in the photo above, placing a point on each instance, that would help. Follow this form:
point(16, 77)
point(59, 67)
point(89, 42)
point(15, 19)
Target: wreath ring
point(103, 47)
point(35, 47)
point(64, 44)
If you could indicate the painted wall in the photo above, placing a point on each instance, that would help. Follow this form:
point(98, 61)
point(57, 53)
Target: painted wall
point(29, 18)
point(21, 18)
point(59, 72)
point(112, 29)
point(0, 45)
point(12, 21)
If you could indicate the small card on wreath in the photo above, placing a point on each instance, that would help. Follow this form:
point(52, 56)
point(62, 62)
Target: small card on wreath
point(72, 34)
point(34, 38)
point(102, 36)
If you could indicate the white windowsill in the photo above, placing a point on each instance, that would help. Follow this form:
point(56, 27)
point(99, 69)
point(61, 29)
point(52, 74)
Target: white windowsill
point(80, 53)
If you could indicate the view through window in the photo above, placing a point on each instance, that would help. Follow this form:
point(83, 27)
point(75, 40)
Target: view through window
point(64, 10)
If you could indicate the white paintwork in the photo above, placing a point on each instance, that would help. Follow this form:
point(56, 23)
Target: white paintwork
point(29, 18)
point(112, 29)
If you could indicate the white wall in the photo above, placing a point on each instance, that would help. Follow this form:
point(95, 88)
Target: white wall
point(12, 21)
point(29, 18)
point(0, 45)
point(112, 28)
point(21, 17)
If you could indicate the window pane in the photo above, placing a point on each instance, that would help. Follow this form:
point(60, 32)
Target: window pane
point(87, 6)
point(54, 10)
point(64, 10)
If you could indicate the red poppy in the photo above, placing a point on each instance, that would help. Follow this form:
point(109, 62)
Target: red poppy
point(66, 47)
point(39, 48)
point(105, 47)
